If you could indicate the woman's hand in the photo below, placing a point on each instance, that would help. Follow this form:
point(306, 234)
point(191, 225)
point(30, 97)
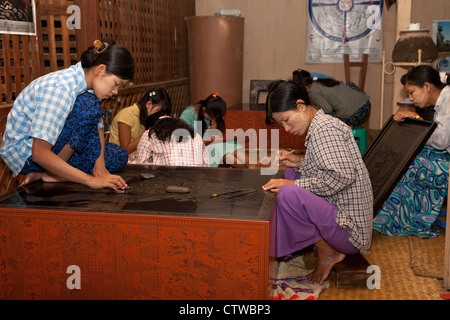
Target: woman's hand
point(275, 184)
point(100, 168)
point(402, 115)
point(107, 181)
point(288, 159)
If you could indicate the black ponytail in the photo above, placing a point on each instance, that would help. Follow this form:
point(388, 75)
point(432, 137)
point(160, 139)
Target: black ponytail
point(117, 59)
point(283, 96)
point(424, 73)
point(216, 107)
point(158, 97)
point(303, 78)
point(163, 127)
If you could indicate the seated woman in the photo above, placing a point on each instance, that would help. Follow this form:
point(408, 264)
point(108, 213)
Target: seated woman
point(325, 199)
point(343, 101)
point(208, 114)
point(54, 130)
point(414, 205)
point(128, 125)
point(171, 142)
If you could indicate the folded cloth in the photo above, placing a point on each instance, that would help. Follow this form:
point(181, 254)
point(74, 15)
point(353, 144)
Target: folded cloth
point(290, 283)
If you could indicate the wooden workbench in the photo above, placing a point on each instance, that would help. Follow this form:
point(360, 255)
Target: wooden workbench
point(144, 244)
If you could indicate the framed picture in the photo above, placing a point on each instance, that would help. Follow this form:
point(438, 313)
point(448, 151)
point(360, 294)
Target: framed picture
point(391, 154)
point(441, 36)
point(18, 17)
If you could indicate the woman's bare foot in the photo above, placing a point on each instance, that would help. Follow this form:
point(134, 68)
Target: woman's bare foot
point(44, 176)
point(31, 177)
point(327, 257)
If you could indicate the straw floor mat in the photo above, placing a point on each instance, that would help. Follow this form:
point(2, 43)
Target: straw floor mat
point(398, 280)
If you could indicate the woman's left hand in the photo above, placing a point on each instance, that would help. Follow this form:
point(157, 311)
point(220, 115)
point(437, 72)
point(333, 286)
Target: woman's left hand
point(100, 169)
point(275, 184)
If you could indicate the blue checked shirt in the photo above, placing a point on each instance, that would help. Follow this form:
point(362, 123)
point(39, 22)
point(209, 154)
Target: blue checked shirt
point(40, 111)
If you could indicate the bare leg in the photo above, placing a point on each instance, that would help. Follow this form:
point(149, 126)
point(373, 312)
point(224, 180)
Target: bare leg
point(47, 177)
point(66, 153)
point(327, 257)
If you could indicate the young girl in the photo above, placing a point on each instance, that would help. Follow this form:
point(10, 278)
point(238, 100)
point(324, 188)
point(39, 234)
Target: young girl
point(54, 130)
point(326, 199)
point(343, 101)
point(414, 205)
point(128, 125)
point(171, 142)
point(209, 114)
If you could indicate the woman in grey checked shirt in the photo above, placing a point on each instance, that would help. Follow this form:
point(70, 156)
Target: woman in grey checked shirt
point(325, 199)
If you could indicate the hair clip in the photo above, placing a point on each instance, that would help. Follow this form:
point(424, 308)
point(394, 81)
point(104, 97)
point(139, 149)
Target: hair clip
point(215, 95)
point(152, 94)
point(297, 72)
point(98, 44)
point(164, 117)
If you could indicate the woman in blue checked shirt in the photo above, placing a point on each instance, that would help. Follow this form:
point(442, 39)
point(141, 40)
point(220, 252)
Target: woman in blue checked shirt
point(54, 130)
point(324, 199)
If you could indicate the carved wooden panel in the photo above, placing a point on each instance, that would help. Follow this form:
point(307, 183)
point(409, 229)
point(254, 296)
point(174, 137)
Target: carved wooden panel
point(131, 256)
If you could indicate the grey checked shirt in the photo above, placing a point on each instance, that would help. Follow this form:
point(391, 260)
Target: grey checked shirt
point(334, 170)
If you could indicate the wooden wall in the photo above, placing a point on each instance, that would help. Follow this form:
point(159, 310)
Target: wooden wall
point(154, 31)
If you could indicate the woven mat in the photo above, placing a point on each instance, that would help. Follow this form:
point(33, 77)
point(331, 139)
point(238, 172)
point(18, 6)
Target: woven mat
point(398, 281)
point(427, 256)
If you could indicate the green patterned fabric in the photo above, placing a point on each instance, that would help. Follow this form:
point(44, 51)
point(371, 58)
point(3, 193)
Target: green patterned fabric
point(415, 204)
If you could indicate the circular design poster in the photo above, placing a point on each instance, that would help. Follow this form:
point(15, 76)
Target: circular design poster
point(336, 27)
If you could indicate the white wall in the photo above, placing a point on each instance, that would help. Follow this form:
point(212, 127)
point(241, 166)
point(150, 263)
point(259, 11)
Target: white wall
point(276, 35)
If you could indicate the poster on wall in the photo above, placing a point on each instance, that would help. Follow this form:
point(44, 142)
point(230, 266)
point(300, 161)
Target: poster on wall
point(441, 36)
point(336, 27)
point(18, 17)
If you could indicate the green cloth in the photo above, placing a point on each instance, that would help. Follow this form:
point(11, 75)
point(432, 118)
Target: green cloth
point(216, 150)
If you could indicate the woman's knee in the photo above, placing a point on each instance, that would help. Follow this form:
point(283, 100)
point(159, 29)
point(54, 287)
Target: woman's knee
point(286, 191)
point(116, 157)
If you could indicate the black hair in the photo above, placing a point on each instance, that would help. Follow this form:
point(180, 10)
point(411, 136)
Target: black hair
point(421, 74)
point(216, 107)
point(283, 96)
point(158, 97)
point(117, 59)
point(303, 78)
point(164, 126)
